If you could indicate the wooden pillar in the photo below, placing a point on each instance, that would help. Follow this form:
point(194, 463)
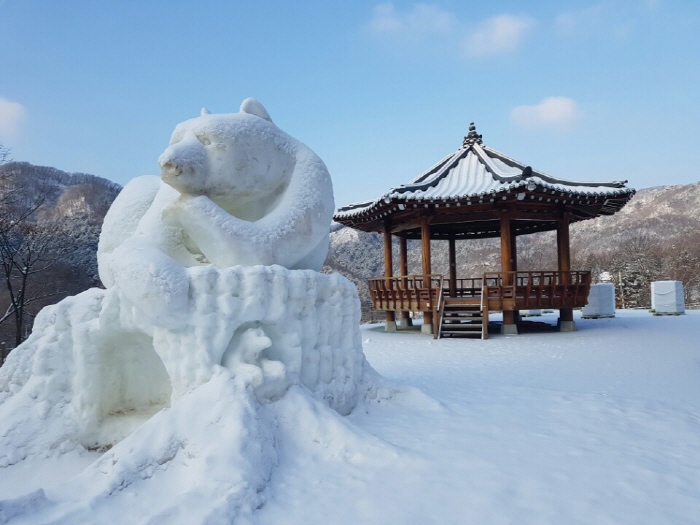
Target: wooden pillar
point(566, 315)
point(405, 319)
point(403, 256)
point(453, 266)
point(509, 326)
point(514, 264)
point(506, 244)
point(563, 250)
point(388, 272)
point(427, 270)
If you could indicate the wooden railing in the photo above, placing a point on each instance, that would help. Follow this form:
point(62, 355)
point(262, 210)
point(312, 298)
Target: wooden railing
point(544, 289)
point(495, 290)
point(412, 293)
point(469, 287)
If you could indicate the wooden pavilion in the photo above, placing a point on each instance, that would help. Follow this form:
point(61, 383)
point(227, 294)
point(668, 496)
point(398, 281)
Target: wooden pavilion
point(475, 193)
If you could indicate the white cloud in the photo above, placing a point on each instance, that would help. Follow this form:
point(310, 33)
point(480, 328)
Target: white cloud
point(420, 19)
point(580, 21)
point(12, 117)
point(498, 35)
point(552, 112)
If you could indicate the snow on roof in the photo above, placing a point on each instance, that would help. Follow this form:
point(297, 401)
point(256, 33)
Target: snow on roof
point(474, 170)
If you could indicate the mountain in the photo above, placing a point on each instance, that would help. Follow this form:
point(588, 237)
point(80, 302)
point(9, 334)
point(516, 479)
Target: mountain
point(50, 224)
point(662, 214)
point(67, 195)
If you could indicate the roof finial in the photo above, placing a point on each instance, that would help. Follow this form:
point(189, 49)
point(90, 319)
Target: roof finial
point(472, 138)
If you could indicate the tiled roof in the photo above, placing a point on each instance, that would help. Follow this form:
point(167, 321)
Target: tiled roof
point(476, 170)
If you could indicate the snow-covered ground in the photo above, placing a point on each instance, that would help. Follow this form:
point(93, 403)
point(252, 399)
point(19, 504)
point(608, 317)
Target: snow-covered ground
point(600, 426)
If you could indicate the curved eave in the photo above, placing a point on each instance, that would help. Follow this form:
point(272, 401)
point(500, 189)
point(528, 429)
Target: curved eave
point(480, 177)
point(542, 199)
point(393, 203)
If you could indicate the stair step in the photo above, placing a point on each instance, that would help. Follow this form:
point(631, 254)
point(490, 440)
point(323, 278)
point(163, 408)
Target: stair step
point(462, 320)
point(463, 308)
point(462, 334)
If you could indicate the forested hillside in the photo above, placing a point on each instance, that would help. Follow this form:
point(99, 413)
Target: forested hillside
point(49, 227)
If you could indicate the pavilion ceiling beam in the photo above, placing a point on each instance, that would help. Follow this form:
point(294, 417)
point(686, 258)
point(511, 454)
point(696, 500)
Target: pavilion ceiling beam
point(410, 219)
point(585, 211)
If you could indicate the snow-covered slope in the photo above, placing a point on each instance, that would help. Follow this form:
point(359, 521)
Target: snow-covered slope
point(63, 194)
point(660, 213)
point(599, 426)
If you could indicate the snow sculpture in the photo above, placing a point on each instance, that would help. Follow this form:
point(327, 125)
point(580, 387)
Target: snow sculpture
point(238, 190)
point(211, 269)
point(601, 301)
point(667, 298)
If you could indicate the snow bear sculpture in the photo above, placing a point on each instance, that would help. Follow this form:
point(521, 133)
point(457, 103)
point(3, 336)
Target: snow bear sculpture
point(237, 191)
point(210, 269)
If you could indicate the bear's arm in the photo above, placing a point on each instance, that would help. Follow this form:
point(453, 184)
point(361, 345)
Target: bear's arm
point(224, 240)
point(122, 219)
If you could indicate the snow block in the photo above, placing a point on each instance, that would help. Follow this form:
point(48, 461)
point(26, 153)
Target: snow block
point(92, 372)
point(667, 297)
point(601, 301)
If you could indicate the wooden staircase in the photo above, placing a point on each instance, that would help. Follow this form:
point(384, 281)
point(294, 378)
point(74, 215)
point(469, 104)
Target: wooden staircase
point(463, 317)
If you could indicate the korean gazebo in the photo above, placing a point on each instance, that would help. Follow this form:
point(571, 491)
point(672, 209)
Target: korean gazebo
point(475, 193)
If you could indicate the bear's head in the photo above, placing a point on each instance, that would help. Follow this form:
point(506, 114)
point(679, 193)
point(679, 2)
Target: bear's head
point(235, 159)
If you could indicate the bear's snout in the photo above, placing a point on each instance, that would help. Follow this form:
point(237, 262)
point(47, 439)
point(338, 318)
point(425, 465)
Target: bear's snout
point(170, 169)
point(185, 157)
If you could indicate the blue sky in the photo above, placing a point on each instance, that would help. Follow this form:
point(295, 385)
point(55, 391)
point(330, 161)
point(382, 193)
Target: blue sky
point(587, 90)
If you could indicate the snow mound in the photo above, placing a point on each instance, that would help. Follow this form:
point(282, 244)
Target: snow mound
point(207, 459)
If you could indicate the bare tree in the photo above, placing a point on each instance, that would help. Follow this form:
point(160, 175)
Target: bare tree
point(4, 154)
point(682, 263)
point(27, 247)
point(537, 252)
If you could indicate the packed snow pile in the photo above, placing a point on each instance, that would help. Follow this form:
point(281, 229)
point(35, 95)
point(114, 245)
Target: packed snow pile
point(214, 313)
point(601, 301)
point(667, 297)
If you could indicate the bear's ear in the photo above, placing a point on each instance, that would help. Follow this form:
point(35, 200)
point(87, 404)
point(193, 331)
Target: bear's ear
point(253, 107)
point(205, 111)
